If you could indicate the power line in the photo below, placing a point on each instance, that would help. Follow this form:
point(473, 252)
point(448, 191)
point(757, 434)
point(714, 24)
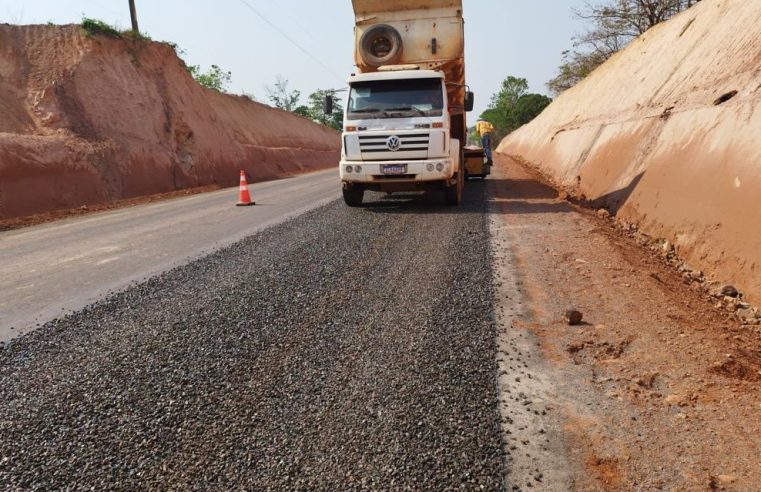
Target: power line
point(296, 23)
point(290, 40)
point(105, 7)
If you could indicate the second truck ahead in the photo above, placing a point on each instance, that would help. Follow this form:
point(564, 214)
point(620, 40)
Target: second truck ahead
point(404, 121)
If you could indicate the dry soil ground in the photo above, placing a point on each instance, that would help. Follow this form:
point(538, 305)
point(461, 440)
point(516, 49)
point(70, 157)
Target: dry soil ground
point(657, 390)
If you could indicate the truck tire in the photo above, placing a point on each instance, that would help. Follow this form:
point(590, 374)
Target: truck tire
point(353, 196)
point(381, 45)
point(454, 193)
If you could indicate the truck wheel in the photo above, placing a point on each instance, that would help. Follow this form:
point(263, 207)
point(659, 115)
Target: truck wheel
point(353, 196)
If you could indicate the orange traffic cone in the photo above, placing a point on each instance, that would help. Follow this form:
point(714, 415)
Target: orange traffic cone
point(244, 199)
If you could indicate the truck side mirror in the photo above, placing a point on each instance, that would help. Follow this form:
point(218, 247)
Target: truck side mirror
point(470, 99)
point(327, 104)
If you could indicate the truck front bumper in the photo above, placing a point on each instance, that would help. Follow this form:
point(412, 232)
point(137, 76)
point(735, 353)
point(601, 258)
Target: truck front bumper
point(384, 172)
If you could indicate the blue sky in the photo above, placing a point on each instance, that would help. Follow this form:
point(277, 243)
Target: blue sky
point(503, 37)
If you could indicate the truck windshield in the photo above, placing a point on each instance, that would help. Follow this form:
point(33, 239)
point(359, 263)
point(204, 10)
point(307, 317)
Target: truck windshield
point(396, 99)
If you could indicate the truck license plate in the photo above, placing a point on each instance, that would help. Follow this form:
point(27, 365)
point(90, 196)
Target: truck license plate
point(394, 169)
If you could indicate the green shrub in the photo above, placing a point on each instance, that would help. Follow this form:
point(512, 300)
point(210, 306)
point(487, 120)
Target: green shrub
point(177, 50)
point(136, 35)
point(95, 27)
point(215, 78)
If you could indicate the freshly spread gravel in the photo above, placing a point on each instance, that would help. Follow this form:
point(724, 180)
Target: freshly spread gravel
point(345, 349)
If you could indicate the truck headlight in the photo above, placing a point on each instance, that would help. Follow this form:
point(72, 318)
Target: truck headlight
point(357, 169)
point(439, 167)
point(430, 167)
point(349, 169)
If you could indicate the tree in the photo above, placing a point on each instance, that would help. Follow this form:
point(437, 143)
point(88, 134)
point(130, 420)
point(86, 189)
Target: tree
point(627, 19)
point(315, 110)
point(528, 107)
point(302, 111)
point(215, 78)
point(500, 111)
point(513, 106)
point(281, 97)
point(576, 66)
point(289, 100)
point(613, 25)
point(510, 91)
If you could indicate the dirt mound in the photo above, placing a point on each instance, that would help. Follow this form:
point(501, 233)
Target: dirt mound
point(86, 120)
point(665, 135)
point(745, 366)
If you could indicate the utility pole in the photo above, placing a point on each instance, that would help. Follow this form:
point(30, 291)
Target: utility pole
point(133, 14)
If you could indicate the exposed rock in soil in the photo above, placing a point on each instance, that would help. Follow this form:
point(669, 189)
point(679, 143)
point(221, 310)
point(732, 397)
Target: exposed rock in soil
point(729, 291)
point(573, 317)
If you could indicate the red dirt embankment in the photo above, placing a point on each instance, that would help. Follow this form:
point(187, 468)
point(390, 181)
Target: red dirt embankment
point(666, 135)
point(88, 120)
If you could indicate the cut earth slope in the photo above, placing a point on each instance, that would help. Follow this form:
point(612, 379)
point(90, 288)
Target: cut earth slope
point(665, 136)
point(91, 119)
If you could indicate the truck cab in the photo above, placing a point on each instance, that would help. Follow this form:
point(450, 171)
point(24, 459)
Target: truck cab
point(404, 122)
point(396, 133)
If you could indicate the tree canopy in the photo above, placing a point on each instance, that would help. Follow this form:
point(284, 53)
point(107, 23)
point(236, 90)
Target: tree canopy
point(314, 109)
point(513, 106)
point(215, 78)
point(528, 107)
point(282, 97)
point(612, 25)
point(290, 100)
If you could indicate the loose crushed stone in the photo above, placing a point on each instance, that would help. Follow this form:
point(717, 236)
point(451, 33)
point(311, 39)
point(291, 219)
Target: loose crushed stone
point(345, 349)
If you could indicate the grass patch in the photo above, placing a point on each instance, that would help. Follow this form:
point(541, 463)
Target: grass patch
point(94, 27)
point(135, 35)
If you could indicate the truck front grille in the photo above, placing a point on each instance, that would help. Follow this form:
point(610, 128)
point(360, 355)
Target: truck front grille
point(379, 144)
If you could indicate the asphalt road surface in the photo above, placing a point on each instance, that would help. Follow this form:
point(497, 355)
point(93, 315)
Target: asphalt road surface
point(54, 269)
point(404, 345)
point(343, 349)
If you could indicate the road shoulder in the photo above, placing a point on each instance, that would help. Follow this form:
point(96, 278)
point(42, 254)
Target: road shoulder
point(533, 442)
point(644, 394)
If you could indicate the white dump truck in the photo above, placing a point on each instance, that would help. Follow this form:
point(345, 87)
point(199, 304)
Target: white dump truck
point(404, 121)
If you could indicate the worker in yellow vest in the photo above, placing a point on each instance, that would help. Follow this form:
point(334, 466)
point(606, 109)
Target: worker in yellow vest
point(485, 129)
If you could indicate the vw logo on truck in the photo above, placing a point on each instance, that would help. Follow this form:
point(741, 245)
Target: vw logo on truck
point(394, 143)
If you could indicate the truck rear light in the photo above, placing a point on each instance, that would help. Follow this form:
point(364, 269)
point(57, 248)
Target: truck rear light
point(438, 125)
